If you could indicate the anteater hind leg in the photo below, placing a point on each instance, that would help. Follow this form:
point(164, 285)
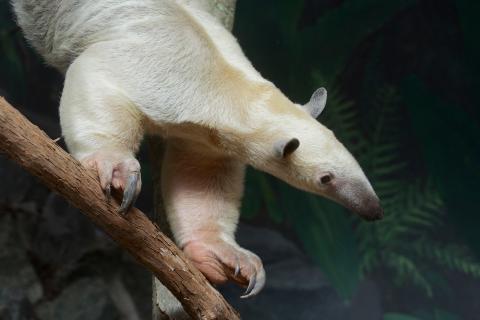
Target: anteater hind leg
point(202, 194)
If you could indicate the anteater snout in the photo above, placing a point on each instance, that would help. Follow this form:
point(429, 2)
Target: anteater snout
point(371, 210)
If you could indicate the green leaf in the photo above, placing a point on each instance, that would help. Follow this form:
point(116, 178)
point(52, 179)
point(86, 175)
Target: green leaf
point(468, 16)
point(444, 315)
point(452, 151)
point(327, 42)
point(271, 202)
point(253, 197)
point(326, 234)
point(399, 316)
point(322, 226)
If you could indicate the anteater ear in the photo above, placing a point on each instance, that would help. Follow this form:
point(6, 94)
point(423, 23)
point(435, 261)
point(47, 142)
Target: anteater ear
point(317, 102)
point(284, 148)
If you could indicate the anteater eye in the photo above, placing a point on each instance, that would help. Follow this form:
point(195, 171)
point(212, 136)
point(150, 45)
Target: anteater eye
point(326, 179)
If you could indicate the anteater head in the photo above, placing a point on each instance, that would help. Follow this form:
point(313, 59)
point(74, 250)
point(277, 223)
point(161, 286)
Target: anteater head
point(307, 155)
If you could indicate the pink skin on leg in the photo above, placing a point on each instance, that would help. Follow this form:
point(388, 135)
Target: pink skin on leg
point(220, 261)
point(202, 196)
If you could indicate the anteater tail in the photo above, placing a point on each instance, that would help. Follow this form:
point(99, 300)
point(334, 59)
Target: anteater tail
point(37, 20)
point(49, 28)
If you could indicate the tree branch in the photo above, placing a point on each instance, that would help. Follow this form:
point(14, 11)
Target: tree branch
point(31, 148)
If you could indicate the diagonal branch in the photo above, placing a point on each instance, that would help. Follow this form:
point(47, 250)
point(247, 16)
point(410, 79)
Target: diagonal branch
point(31, 148)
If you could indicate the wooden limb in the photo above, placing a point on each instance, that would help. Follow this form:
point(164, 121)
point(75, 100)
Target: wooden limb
point(31, 148)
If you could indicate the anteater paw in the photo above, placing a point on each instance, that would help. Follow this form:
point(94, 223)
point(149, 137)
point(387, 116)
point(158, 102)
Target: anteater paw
point(220, 261)
point(118, 171)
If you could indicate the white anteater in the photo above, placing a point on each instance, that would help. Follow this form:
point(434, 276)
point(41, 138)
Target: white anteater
point(167, 67)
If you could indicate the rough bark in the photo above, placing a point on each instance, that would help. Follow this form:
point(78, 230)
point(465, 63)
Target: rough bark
point(165, 306)
point(31, 148)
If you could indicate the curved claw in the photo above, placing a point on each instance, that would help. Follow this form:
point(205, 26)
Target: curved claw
point(108, 192)
point(251, 286)
point(130, 193)
point(256, 284)
point(237, 268)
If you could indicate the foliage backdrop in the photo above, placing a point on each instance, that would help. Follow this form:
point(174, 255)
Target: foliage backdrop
point(403, 78)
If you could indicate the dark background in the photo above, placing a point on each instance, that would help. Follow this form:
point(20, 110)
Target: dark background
point(403, 81)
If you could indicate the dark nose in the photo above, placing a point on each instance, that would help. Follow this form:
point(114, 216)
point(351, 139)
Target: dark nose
point(372, 210)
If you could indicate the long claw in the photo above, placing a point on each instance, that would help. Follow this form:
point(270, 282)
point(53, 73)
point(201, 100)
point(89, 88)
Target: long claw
point(130, 193)
point(257, 281)
point(251, 285)
point(108, 192)
point(237, 268)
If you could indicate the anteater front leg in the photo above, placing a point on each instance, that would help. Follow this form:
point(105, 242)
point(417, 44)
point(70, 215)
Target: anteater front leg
point(102, 128)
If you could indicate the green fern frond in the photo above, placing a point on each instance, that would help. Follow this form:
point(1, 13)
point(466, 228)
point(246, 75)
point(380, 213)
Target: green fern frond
point(342, 117)
point(452, 256)
point(413, 210)
point(406, 270)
